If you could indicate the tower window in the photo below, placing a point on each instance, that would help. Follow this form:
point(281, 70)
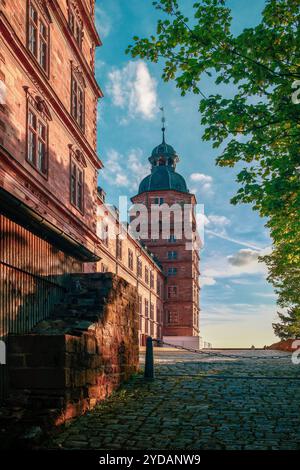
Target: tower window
point(172, 239)
point(172, 317)
point(159, 200)
point(172, 271)
point(172, 292)
point(172, 254)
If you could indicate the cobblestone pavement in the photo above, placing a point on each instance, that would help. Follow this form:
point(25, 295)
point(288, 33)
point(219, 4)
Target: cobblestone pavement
point(197, 403)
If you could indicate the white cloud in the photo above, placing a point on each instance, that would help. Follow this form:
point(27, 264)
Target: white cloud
point(207, 281)
point(218, 220)
point(103, 22)
point(193, 190)
point(244, 257)
point(201, 178)
point(2, 92)
point(124, 170)
point(133, 89)
point(205, 183)
point(235, 265)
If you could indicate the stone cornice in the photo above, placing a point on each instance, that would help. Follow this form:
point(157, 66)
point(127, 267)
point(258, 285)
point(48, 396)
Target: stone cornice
point(34, 191)
point(92, 28)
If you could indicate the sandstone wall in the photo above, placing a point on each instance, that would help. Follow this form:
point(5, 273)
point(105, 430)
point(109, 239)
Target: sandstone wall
point(78, 357)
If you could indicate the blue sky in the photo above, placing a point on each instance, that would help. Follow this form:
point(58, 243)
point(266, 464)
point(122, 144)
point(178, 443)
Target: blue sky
point(237, 304)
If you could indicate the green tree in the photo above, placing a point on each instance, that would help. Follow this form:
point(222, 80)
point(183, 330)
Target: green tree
point(259, 124)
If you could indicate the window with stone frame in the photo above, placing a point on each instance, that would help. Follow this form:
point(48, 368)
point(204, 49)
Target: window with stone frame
point(158, 200)
point(172, 255)
point(130, 259)
point(75, 22)
point(104, 234)
point(104, 268)
point(158, 290)
point(172, 239)
point(38, 35)
point(146, 308)
point(139, 267)
point(172, 271)
point(77, 184)
point(140, 299)
point(151, 280)
point(157, 314)
point(152, 311)
point(172, 317)
point(38, 116)
point(78, 97)
point(195, 317)
point(119, 248)
point(172, 292)
point(146, 275)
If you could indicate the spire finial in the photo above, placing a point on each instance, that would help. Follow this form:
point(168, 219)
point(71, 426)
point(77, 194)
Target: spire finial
point(163, 120)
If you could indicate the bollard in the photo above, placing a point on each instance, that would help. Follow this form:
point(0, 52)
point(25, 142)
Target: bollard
point(149, 363)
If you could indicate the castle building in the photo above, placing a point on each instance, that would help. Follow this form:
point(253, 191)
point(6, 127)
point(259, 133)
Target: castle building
point(48, 159)
point(51, 212)
point(124, 255)
point(178, 254)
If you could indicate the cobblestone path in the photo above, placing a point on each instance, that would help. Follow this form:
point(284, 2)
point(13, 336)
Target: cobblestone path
point(197, 403)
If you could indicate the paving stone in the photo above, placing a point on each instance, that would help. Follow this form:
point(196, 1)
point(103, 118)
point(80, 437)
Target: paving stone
point(174, 412)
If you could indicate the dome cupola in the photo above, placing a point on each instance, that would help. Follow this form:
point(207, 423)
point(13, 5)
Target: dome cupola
point(163, 161)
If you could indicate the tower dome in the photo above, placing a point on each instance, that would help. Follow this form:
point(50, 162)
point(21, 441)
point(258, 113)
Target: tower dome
point(163, 176)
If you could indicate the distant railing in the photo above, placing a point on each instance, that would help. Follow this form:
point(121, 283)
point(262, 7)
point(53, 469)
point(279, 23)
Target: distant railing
point(149, 371)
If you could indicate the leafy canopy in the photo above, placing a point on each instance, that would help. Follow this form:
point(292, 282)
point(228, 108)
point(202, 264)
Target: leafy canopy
point(259, 124)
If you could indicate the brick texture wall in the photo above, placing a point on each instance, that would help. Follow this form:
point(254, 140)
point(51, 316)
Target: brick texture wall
point(76, 359)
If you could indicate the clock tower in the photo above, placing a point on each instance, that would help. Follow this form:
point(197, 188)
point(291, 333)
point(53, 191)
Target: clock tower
point(165, 191)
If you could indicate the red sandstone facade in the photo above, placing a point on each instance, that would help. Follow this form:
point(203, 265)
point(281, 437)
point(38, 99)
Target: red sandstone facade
point(180, 266)
point(171, 235)
point(50, 209)
point(45, 143)
point(48, 159)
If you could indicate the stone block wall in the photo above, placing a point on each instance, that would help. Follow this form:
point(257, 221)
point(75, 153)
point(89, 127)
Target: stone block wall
point(78, 357)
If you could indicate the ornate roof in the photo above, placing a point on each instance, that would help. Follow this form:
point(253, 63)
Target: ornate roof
point(163, 178)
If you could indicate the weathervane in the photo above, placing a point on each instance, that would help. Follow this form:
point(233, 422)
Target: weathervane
point(163, 120)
